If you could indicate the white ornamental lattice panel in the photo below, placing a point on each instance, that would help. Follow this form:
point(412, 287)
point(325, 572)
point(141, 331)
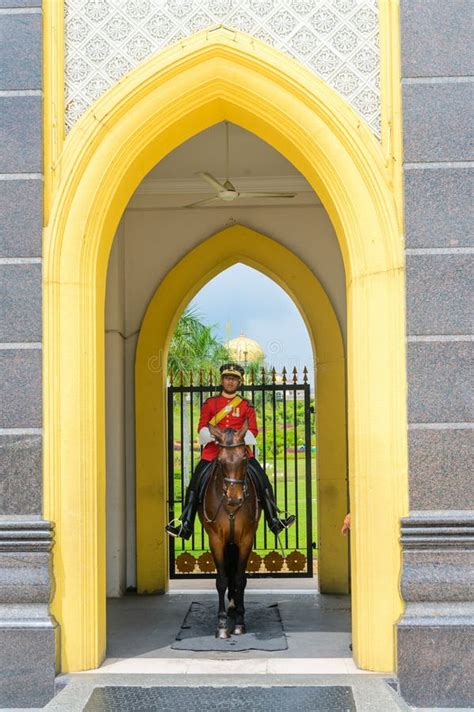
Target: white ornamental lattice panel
point(336, 39)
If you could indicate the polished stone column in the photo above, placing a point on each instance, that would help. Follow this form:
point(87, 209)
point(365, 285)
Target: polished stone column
point(435, 635)
point(27, 633)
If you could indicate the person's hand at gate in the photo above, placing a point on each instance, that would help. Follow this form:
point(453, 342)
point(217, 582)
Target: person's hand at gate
point(346, 525)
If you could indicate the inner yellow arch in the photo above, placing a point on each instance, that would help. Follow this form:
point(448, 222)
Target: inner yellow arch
point(213, 76)
point(238, 244)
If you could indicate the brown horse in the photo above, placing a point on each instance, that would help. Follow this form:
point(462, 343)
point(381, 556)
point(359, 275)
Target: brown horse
point(229, 513)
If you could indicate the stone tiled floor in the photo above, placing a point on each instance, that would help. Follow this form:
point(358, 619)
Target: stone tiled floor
point(370, 693)
point(141, 629)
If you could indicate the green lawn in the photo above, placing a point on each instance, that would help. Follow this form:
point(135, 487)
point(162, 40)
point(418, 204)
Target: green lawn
point(293, 538)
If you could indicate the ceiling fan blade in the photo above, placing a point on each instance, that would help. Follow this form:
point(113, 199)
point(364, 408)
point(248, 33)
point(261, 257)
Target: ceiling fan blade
point(201, 202)
point(266, 195)
point(212, 181)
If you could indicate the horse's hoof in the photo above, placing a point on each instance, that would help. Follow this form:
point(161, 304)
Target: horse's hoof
point(222, 633)
point(239, 629)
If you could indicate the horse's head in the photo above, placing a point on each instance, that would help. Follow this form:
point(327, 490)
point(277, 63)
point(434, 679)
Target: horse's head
point(232, 457)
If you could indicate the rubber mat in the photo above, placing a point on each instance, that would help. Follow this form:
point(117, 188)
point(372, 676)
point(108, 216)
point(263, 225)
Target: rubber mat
point(263, 624)
point(211, 699)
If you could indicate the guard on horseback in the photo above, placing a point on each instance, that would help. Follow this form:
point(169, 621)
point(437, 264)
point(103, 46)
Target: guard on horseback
point(227, 410)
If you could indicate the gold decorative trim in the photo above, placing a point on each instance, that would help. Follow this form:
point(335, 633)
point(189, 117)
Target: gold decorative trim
point(53, 90)
point(391, 98)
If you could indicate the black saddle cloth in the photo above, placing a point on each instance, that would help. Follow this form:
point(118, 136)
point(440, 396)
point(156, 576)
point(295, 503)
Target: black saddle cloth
point(208, 470)
point(204, 479)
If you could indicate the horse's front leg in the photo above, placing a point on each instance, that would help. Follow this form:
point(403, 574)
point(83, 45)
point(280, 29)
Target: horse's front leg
point(240, 584)
point(221, 585)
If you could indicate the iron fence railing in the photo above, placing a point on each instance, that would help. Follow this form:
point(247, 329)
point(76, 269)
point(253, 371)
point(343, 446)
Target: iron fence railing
point(286, 450)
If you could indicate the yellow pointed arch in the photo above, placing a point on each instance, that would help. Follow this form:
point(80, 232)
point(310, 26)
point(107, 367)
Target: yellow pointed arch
point(212, 256)
point(209, 77)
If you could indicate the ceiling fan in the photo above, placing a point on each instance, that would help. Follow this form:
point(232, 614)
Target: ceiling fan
point(226, 191)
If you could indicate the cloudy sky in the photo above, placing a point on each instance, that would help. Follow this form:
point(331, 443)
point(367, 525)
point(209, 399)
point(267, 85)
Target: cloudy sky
point(254, 304)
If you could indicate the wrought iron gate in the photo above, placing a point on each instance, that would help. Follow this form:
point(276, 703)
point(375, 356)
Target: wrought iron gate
point(286, 450)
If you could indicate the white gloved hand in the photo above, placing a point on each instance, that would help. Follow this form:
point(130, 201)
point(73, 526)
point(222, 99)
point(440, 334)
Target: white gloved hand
point(249, 438)
point(205, 436)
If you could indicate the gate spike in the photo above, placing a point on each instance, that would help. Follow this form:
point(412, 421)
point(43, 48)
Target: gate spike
point(305, 375)
point(191, 377)
point(295, 375)
point(210, 376)
point(263, 375)
point(201, 376)
point(181, 377)
point(283, 375)
point(171, 377)
point(274, 375)
point(252, 376)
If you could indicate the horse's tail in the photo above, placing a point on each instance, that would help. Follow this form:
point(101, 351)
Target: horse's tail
point(231, 559)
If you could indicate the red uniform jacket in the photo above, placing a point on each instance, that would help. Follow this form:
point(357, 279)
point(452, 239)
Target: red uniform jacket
point(235, 419)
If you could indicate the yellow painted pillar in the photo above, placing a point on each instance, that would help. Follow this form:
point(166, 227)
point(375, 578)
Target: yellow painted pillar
point(332, 477)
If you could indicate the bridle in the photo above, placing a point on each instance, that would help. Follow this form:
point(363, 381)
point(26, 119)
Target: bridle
point(231, 481)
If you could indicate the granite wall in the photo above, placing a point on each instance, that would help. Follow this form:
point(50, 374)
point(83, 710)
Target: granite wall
point(435, 633)
point(27, 634)
point(435, 636)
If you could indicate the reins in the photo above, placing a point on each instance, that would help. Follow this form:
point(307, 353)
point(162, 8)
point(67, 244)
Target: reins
point(226, 447)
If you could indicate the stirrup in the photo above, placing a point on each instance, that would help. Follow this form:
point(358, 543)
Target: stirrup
point(172, 529)
point(178, 531)
point(286, 521)
point(278, 525)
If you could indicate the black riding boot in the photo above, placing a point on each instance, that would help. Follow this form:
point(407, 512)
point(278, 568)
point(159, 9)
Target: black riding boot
point(276, 524)
point(191, 502)
point(188, 515)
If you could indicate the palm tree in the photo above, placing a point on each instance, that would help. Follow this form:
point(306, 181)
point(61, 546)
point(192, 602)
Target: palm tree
point(194, 346)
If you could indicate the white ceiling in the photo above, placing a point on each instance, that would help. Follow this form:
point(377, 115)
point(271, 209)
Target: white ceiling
point(253, 165)
point(248, 156)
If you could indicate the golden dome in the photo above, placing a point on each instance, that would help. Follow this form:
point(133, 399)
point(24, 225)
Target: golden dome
point(244, 349)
